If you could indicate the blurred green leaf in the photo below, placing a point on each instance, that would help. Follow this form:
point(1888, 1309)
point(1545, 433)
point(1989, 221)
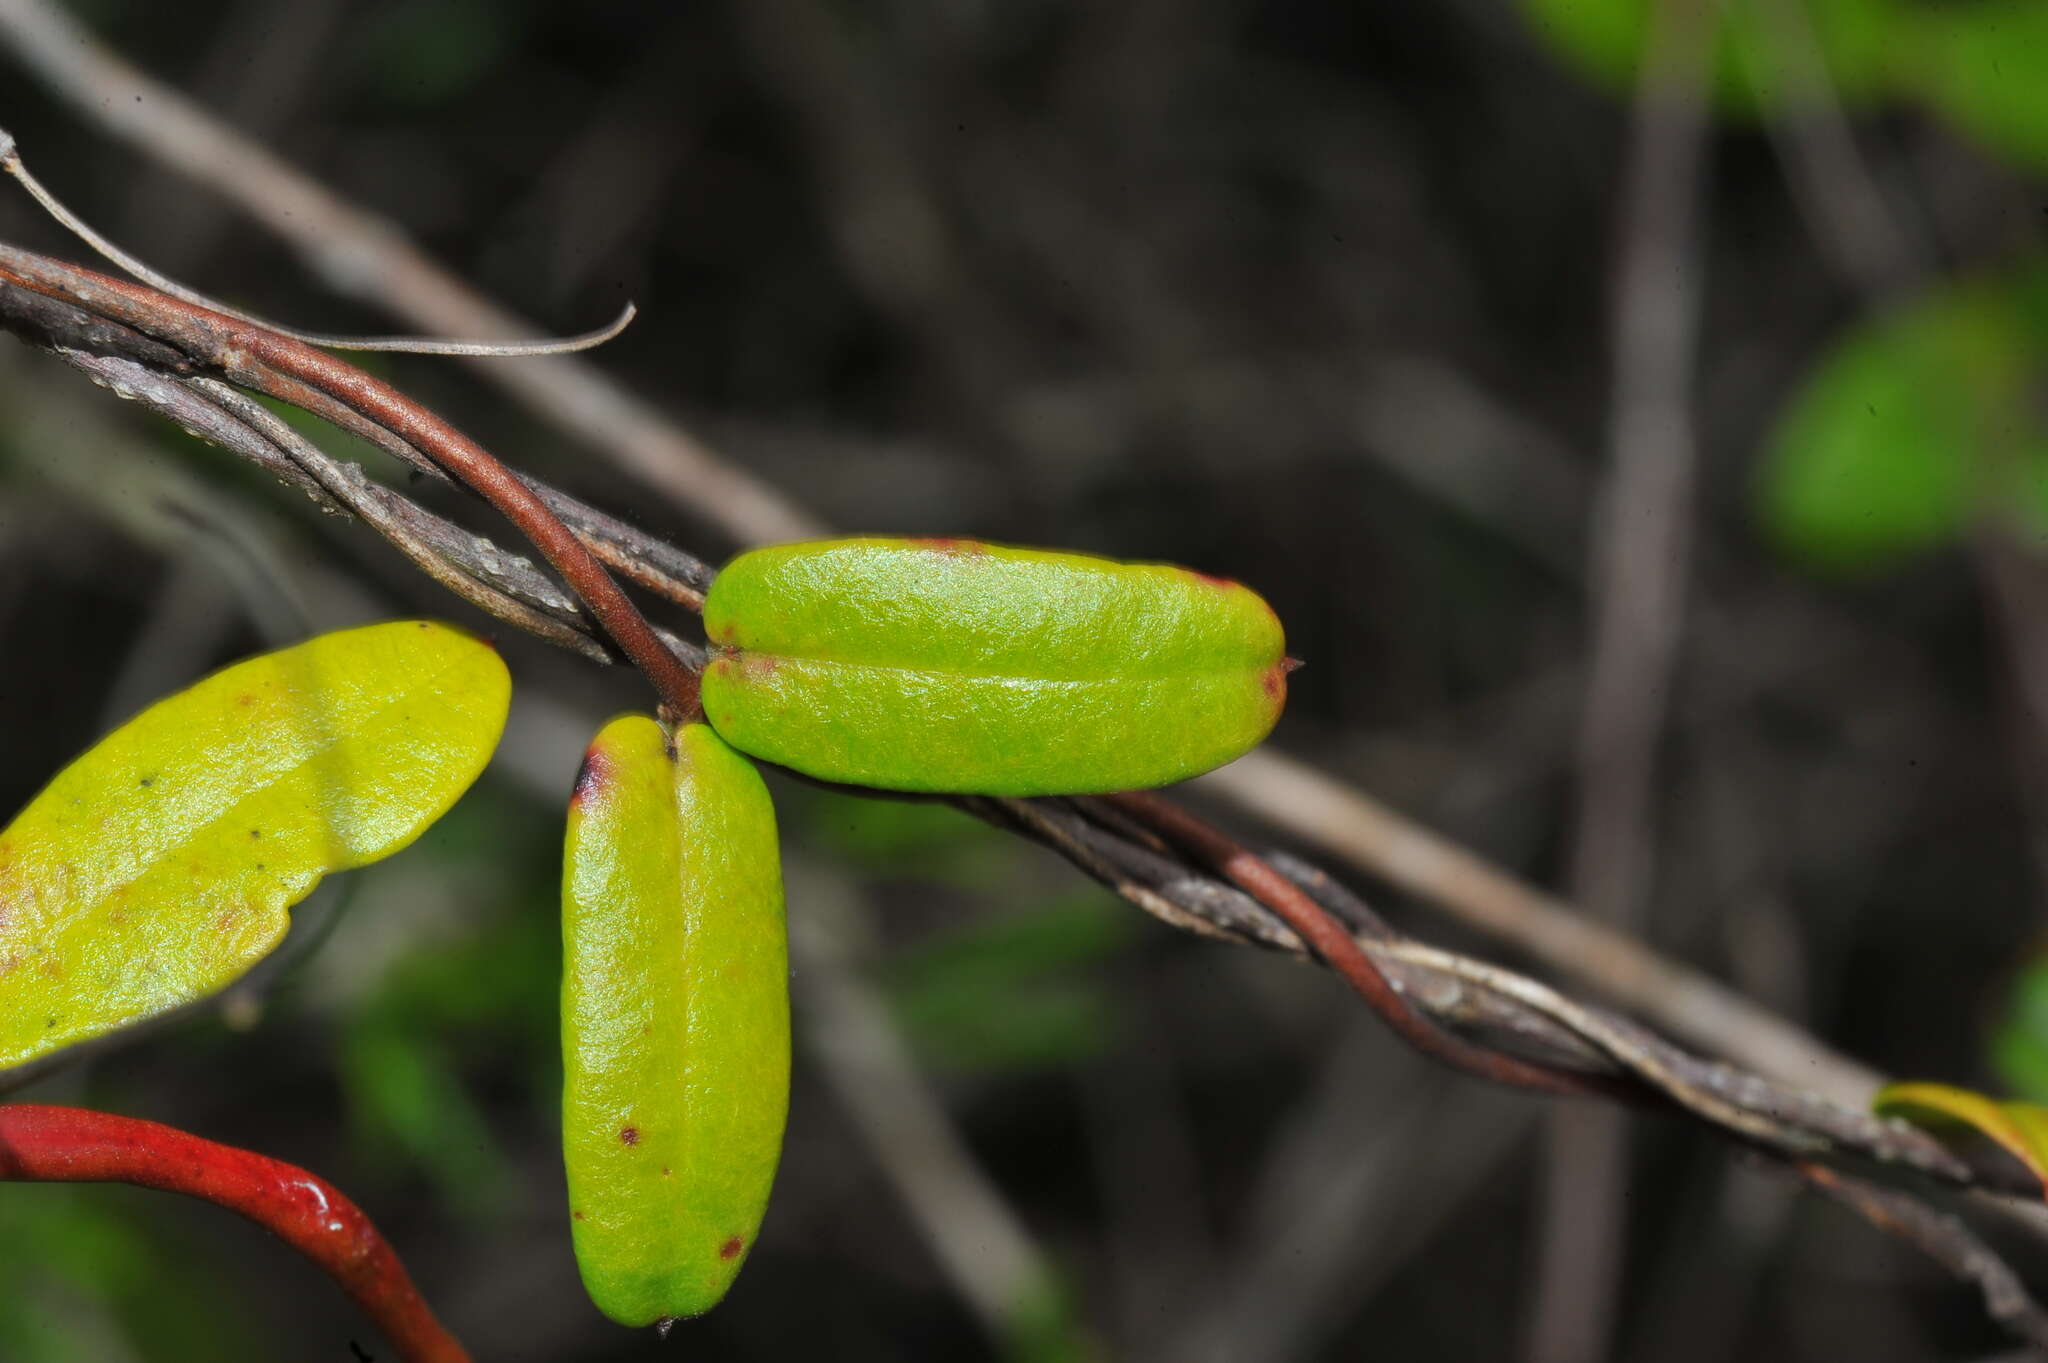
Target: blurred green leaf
point(1914, 424)
point(403, 1091)
point(2019, 1046)
point(2021, 1129)
point(427, 53)
point(1984, 67)
point(906, 839)
point(87, 1280)
point(1046, 1327)
point(1015, 992)
point(412, 1056)
point(1604, 39)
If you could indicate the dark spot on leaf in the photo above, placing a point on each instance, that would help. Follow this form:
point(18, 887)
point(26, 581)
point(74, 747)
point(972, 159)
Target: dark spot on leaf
point(245, 699)
point(629, 1135)
point(255, 832)
point(576, 1216)
point(590, 777)
point(147, 781)
point(731, 1248)
point(667, 1172)
point(668, 746)
point(49, 1023)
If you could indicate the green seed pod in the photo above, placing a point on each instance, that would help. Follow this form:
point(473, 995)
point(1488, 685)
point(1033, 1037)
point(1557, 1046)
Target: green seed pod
point(675, 1017)
point(955, 666)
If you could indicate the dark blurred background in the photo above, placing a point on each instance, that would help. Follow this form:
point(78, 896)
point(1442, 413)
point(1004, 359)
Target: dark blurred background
point(1314, 293)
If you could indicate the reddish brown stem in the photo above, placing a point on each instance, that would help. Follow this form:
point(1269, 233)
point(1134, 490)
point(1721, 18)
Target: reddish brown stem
point(40, 1144)
point(1331, 941)
point(242, 350)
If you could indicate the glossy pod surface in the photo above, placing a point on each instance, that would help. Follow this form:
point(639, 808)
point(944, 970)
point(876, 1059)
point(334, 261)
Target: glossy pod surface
point(956, 666)
point(675, 1017)
point(159, 866)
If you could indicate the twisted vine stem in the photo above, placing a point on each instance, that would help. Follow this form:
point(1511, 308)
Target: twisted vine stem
point(189, 363)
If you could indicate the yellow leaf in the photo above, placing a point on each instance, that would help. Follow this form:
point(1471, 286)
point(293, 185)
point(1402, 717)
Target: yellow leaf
point(159, 866)
point(2019, 1128)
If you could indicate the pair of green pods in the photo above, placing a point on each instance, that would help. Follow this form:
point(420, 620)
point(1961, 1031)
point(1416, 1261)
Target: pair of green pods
point(920, 665)
point(161, 865)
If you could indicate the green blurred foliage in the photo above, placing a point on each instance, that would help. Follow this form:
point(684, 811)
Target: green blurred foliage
point(1753, 68)
point(410, 1048)
point(2019, 1043)
point(432, 51)
point(1020, 991)
point(1915, 425)
point(87, 1278)
point(1982, 66)
point(917, 839)
point(1047, 1327)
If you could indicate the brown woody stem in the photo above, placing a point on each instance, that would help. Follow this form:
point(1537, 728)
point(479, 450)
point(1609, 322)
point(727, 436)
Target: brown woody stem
point(1331, 941)
point(247, 353)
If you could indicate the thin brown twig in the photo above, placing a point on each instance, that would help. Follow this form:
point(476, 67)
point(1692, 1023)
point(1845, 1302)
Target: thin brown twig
point(1943, 1238)
point(243, 351)
point(1639, 579)
point(1341, 952)
point(362, 255)
point(500, 584)
point(1344, 821)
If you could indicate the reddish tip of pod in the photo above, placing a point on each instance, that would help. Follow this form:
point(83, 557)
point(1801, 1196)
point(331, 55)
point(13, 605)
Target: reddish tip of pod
point(947, 544)
point(591, 777)
point(731, 1248)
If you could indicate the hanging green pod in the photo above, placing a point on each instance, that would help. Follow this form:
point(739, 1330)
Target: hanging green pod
point(962, 667)
point(159, 866)
point(675, 1017)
